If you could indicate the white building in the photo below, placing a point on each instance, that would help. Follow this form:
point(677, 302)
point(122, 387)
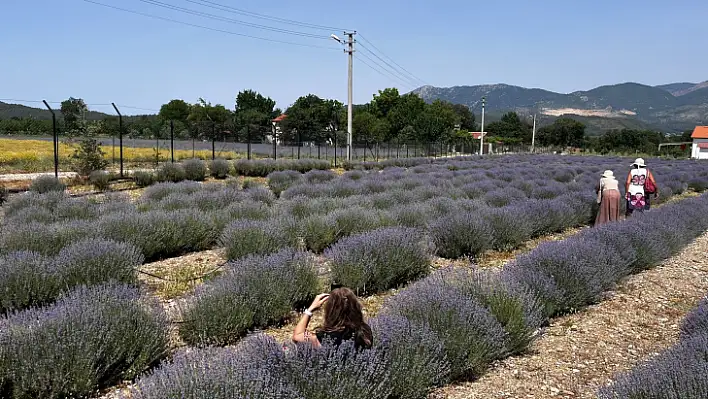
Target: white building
point(699, 150)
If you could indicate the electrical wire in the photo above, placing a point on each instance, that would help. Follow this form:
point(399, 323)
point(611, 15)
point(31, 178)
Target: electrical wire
point(234, 10)
point(381, 71)
point(208, 28)
point(233, 21)
point(391, 59)
point(388, 67)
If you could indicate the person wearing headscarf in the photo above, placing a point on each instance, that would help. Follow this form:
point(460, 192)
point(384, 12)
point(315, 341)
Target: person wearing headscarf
point(608, 196)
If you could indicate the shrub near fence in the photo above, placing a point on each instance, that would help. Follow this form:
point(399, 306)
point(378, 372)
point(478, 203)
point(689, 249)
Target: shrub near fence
point(482, 316)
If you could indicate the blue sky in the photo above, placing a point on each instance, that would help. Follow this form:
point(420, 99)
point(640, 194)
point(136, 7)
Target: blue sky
point(53, 49)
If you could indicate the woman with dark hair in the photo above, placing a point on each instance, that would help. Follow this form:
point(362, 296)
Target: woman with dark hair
point(343, 321)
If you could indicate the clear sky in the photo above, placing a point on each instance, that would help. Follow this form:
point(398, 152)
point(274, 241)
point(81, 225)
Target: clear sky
point(53, 49)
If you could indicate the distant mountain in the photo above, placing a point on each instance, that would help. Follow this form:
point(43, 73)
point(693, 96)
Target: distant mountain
point(674, 88)
point(603, 108)
point(8, 111)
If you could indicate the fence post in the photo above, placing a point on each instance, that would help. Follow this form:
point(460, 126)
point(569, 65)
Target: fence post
point(172, 141)
point(248, 141)
point(157, 150)
point(298, 144)
point(335, 149)
point(213, 141)
point(55, 139)
point(120, 136)
point(275, 141)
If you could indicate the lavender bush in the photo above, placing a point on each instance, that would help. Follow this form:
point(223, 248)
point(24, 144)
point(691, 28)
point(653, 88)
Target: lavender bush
point(94, 261)
point(472, 337)
point(458, 235)
point(90, 339)
point(252, 237)
point(256, 292)
point(250, 370)
point(195, 169)
point(679, 372)
point(171, 172)
point(26, 279)
point(219, 168)
point(161, 234)
point(696, 322)
point(45, 239)
point(45, 183)
point(380, 259)
point(415, 356)
point(281, 181)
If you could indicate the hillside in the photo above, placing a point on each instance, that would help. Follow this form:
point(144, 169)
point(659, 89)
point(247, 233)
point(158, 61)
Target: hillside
point(8, 111)
point(672, 107)
point(675, 88)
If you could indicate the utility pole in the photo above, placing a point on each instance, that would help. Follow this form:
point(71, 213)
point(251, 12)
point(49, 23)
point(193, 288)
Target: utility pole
point(533, 134)
point(481, 135)
point(350, 100)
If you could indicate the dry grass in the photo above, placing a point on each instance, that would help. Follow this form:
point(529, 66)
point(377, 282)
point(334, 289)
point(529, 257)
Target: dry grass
point(579, 353)
point(24, 156)
point(176, 277)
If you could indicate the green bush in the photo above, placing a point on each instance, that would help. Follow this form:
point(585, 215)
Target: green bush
point(252, 237)
point(89, 157)
point(171, 172)
point(195, 169)
point(144, 178)
point(46, 183)
point(100, 179)
point(219, 168)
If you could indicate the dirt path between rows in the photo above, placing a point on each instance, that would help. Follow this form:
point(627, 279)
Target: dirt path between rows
point(579, 353)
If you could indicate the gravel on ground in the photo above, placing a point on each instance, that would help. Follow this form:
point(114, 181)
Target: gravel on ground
point(581, 352)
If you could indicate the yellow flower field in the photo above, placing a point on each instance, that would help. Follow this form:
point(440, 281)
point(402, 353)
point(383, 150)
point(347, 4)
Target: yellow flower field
point(29, 156)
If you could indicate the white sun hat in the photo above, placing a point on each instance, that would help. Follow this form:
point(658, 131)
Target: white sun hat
point(639, 162)
point(608, 174)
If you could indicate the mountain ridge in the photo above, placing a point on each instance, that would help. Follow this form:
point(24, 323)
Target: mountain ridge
point(672, 107)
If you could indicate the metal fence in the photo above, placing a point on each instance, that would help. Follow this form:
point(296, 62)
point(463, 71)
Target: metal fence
point(126, 153)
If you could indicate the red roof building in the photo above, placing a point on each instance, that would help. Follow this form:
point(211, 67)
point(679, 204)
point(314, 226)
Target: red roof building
point(700, 143)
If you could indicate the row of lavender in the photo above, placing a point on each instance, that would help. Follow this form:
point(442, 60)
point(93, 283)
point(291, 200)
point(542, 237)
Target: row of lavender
point(562, 278)
point(451, 325)
point(50, 243)
point(679, 372)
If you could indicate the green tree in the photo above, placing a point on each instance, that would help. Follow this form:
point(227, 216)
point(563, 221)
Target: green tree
point(511, 127)
point(175, 110)
point(403, 117)
point(436, 122)
point(465, 117)
point(311, 118)
point(74, 110)
point(564, 132)
point(384, 102)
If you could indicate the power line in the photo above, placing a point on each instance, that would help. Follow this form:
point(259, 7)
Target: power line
point(389, 67)
point(391, 72)
point(380, 70)
point(209, 28)
point(239, 11)
point(233, 21)
point(391, 59)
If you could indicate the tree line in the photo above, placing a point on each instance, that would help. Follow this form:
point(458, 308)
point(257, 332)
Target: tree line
point(388, 117)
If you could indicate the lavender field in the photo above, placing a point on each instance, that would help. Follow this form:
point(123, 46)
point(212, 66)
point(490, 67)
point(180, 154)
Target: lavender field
point(375, 227)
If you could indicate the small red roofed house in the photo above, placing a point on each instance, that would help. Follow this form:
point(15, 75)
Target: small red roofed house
point(700, 143)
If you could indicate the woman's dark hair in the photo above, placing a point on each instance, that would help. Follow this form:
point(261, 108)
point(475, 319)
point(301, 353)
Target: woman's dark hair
point(343, 312)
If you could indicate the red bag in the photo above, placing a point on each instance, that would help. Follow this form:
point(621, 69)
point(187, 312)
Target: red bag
point(649, 186)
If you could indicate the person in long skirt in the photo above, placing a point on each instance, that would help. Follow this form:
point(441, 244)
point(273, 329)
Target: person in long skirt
point(608, 196)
